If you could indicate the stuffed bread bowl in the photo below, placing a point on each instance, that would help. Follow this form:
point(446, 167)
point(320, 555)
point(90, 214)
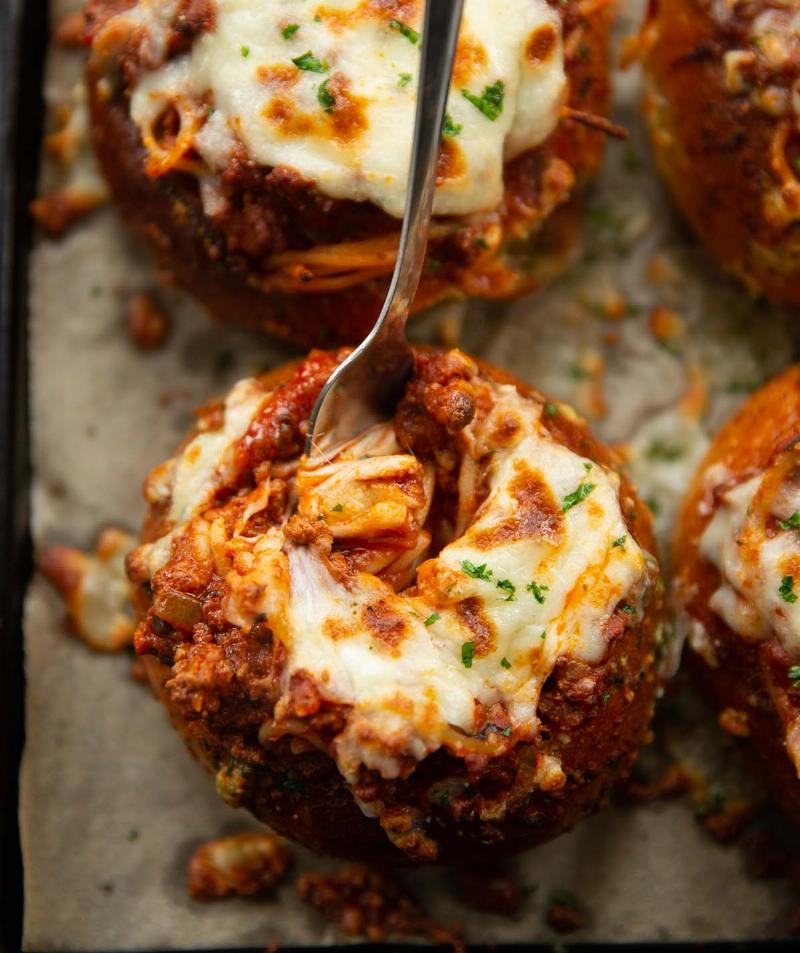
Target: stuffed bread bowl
point(737, 564)
point(724, 115)
point(260, 148)
point(440, 645)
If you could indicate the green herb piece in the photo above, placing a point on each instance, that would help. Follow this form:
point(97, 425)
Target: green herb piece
point(606, 697)
point(786, 589)
point(537, 591)
point(543, 636)
point(508, 586)
point(490, 101)
point(587, 466)
point(633, 161)
point(619, 543)
point(476, 572)
point(467, 654)
point(793, 522)
point(551, 410)
point(480, 242)
point(433, 617)
point(663, 451)
point(450, 128)
point(325, 98)
point(289, 30)
point(577, 496)
point(245, 51)
point(654, 505)
point(408, 32)
point(338, 508)
point(506, 664)
point(310, 63)
point(133, 834)
point(404, 79)
point(627, 608)
point(794, 674)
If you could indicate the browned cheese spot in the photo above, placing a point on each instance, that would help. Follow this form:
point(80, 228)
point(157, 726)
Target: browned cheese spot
point(470, 59)
point(537, 513)
point(348, 116)
point(337, 19)
point(541, 44)
point(452, 164)
point(505, 429)
point(470, 614)
point(281, 75)
point(283, 112)
point(335, 630)
point(386, 624)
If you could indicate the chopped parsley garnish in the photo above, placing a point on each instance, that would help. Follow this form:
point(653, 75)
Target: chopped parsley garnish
point(245, 51)
point(451, 128)
point(325, 97)
point(408, 32)
point(506, 664)
point(577, 496)
point(338, 508)
point(587, 466)
point(289, 30)
point(794, 674)
point(551, 410)
point(508, 586)
point(476, 572)
point(480, 242)
point(627, 608)
point(793, 522)
point(654, 505)
point(786, 589)
point(543, 636)
point(664, 451)
point(606, 697)
point(467, 654)
point(490, 101)
point(404, 79)
point(494, 729)
point(537, 591)
point(619, 543)
point(433, 617)
point(310, 63)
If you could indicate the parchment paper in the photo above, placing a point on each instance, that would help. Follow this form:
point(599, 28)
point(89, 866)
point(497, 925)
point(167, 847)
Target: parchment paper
point(112, 805)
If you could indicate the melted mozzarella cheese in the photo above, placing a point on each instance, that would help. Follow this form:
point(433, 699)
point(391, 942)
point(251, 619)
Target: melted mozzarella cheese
point(544, 563)
point(345, 121)
point(759, 591)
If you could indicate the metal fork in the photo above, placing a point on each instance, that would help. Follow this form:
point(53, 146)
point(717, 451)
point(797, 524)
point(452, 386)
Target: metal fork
point(366, 386)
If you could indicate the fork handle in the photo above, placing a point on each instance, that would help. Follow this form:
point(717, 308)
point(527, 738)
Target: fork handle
point(439, 39)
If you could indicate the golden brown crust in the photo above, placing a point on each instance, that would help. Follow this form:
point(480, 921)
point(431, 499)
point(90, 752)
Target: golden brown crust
point(524, 244)
point(725, 133)
point(593, 717)
point(749, 679)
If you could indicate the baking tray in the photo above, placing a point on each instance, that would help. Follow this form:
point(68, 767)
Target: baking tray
point(23, 42)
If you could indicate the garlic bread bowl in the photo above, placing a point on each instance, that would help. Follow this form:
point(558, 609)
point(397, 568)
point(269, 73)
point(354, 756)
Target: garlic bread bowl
point(724, 115)
point(437, 646)
point(737, 564)
point(260, 148)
